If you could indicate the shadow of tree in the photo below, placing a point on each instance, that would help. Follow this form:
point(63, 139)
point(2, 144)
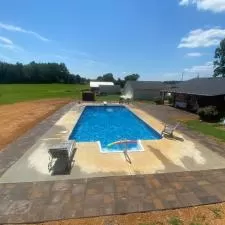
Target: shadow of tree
point(169, 165)
point(173, 137)
point(189, 164)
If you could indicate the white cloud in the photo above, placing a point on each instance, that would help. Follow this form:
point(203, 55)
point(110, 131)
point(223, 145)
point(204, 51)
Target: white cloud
point(211, 5)
point(194, 54)
point(202, 38)
point(12, 47)
point(184, 2)
point(19, 29)
point(8, 44)
point(5, 40)
point(203, 70)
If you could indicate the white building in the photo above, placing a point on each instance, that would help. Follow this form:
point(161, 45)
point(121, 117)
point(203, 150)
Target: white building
point(143, 90)
point(94, 85)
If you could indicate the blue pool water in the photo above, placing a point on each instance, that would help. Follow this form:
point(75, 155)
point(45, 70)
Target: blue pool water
point(109, 124)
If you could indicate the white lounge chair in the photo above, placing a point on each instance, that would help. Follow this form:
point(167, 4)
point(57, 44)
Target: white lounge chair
point(63, 151)
point(168, 129)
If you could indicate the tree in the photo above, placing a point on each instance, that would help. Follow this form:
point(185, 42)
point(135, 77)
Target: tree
point(108, 77)
point(133, 77)
point(99, 78)
point(219, 62)
point(38, 73)
point(120, 82)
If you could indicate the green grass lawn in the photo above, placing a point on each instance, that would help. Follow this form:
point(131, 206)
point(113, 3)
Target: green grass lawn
point(108, 98)
point(211, 129)
point(11, 93)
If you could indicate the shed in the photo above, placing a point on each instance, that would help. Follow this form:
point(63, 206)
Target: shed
point(115, 89)
point(143, 90)
point(95, 84)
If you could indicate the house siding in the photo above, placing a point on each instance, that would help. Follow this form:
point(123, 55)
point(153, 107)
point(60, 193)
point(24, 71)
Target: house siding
point(109, 89)
point(146, 94)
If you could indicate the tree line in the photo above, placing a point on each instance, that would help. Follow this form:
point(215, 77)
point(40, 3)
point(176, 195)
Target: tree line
point(219, 62)
point(109, 77)
point(38, 73)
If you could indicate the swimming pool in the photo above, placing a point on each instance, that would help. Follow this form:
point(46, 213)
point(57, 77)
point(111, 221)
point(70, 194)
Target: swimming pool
point(108, 124)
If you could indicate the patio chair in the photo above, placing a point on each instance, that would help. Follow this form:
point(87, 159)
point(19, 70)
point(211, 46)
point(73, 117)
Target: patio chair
point(63, 152)
point(168, 129)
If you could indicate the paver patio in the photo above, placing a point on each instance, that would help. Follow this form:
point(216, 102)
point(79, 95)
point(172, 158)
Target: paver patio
point(53, 200)
point(43, 201)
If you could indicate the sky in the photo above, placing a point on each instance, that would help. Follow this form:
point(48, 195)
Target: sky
point(158, 39)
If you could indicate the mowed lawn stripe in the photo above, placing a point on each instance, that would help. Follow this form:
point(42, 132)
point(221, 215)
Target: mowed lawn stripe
point(11, 93)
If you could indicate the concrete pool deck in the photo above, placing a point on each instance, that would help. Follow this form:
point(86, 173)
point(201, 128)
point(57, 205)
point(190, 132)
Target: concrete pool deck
point(33, 202)
point(159, 156)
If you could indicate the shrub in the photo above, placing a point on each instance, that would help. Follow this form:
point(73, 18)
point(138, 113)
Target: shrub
point(170, 100)
point(209, 113)
point(158, 101)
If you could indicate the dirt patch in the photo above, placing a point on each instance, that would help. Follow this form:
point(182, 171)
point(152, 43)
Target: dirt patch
point(16, 119)
point(202, 215)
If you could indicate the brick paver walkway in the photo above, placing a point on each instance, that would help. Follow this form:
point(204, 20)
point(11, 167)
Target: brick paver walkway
point(43, 201)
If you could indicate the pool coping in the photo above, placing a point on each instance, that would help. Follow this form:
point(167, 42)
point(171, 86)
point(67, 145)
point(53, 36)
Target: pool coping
point(54, 200)
point(121, 151)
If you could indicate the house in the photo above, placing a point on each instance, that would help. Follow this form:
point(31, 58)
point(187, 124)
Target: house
point(199, 92)
point(94, 85)
point(109, 90)
point(143, 90)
